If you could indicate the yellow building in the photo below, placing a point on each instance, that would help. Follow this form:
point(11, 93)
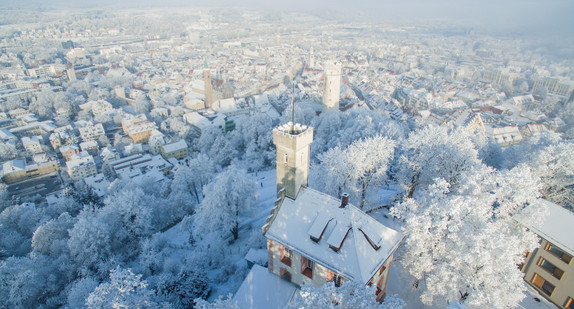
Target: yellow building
point(17, 170)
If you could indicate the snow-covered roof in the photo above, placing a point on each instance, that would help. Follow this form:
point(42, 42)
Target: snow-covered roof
point(363, 243)
point(175, 146)
point(557, 227)
point(262, 289)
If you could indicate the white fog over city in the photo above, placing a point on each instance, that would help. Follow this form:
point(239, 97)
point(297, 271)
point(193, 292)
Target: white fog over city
point(294, 154)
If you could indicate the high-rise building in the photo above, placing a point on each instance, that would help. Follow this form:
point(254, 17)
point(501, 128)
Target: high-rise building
point(332, 86)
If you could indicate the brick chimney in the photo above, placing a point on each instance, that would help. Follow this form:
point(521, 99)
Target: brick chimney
point(344, 200)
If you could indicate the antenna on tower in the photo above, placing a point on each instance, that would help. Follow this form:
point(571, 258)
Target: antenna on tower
point(293, 110)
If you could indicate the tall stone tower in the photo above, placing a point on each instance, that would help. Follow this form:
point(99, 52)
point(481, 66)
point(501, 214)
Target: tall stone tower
point(208, 86)
point(332, 86)
point(293, 143)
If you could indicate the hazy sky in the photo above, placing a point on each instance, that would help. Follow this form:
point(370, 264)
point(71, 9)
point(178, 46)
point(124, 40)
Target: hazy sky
point(542, 18)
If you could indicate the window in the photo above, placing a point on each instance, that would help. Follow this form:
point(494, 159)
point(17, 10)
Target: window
point(286, 255)
point(307, 267)
point(338, 280)
point(555, 271)
point(569, 303)
point(544, 285)
point(559, 253)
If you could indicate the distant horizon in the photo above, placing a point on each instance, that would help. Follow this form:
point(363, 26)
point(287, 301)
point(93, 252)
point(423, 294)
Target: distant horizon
point(536, 17)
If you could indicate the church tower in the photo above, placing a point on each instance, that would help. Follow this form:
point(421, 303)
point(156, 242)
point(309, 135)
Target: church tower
point(332, 86)
point(293, 143)
point(208, 87)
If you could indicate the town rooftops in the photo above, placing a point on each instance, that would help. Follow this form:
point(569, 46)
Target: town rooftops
point(556, 227)
point(342, 239)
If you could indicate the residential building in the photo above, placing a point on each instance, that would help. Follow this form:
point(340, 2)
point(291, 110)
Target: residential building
point(82, 165)
point(176, 150)
point(90, 131)
point(550, 267)
point(90, 147)
point(138, 128)
point(68, 151)
point(32, 144)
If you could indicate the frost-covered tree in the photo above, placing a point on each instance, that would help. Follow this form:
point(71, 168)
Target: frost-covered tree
point(363, 164)
point(51, 237)
point(190, 177)
point(350, 295)
point(17, 225)
point(216, 145)
point(555, 167)
point(124, 290)
point(220, 303)
point(7, 151)
point(461, 240)
point(227, 198)
point(79, 290)
point(182, 289)
point(434, 152)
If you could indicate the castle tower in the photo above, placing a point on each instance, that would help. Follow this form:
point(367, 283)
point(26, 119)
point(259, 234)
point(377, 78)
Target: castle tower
point(332, 86)
point(293, 143)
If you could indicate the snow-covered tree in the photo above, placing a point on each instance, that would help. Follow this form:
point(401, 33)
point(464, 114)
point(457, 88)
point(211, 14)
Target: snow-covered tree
point(434, 152)
point(79, 291)
point(124, 290)
point(227, 198)
point(182, 289)
point(356, 168)
point(555, 167)
point(190, 177)
point(461, 240)
point(350, 295)
point(220, 303)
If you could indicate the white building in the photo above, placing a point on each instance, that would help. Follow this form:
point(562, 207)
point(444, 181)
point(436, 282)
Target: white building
point(90, 131)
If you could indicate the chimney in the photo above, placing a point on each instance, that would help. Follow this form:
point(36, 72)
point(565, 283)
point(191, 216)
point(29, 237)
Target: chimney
point(344, 200)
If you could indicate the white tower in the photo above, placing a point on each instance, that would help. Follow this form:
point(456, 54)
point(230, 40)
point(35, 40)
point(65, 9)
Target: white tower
point(293, 143)
point(332, 86)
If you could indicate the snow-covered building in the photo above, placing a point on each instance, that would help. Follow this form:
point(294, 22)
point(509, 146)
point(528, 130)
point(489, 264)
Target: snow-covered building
point(138, 128)
point(316, 238)
point(549, 268)
point(32, 144)
point(90, 131)
point(17, 170)
point(82, 165)
point(176, 149)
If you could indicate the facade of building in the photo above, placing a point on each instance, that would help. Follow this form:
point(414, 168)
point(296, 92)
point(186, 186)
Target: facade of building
point(550, 267)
